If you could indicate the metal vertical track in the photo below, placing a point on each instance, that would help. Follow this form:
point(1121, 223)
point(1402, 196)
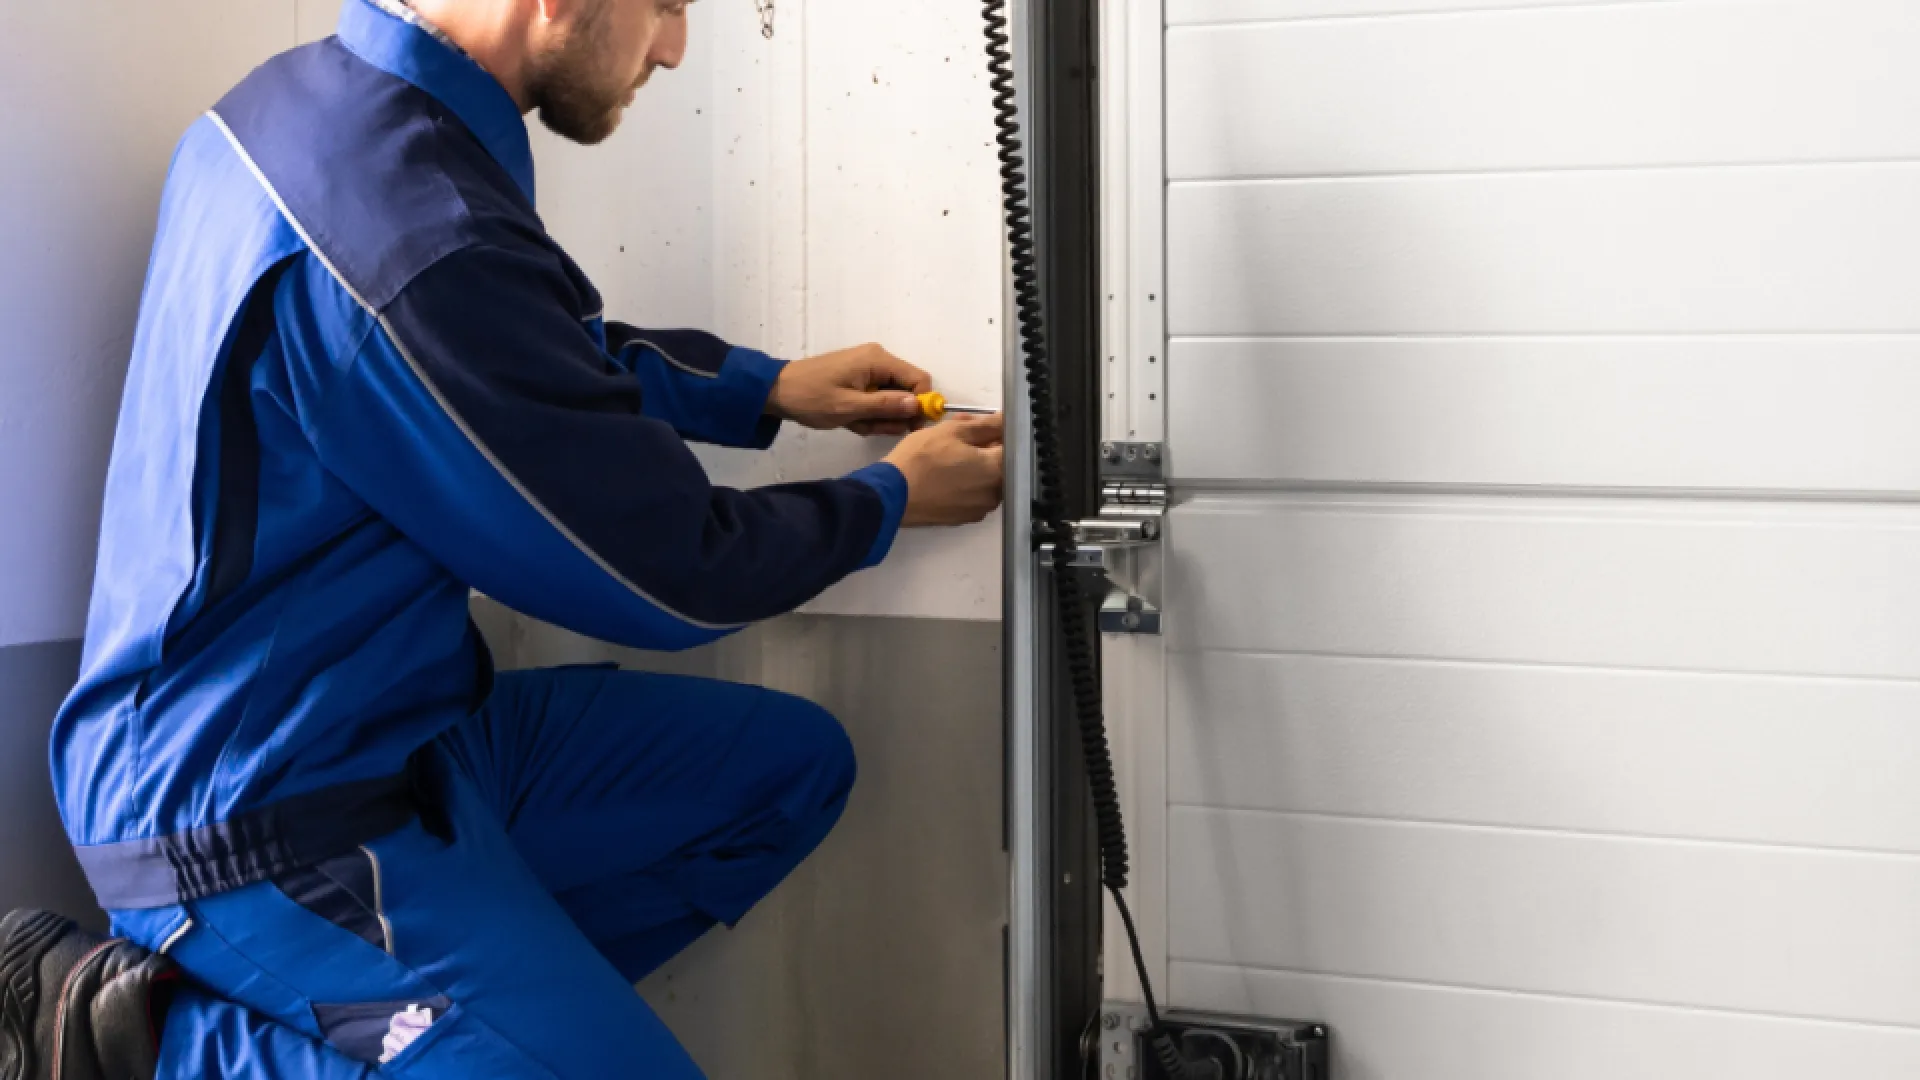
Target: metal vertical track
point(1031, 1038)
point(1065, 161)
point(1054, 962)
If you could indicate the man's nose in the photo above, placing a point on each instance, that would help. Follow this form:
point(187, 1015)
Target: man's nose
point(671, 46)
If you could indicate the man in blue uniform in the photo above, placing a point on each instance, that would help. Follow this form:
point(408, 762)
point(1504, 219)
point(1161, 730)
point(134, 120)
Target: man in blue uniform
point(366, 381)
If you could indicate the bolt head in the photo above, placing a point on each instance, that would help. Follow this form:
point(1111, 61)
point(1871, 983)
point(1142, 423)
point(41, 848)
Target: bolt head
point(1130, 621)
point(1153, 451)
point(1110, 451)
point(1110, 1021)
point(1132, 452)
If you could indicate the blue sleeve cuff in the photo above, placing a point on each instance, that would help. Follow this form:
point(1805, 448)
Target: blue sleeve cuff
point(746, 382)
point(891, 484)
point(708, 390)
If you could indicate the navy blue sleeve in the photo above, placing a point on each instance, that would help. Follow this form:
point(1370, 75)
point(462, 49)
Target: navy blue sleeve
point(482, 418)
point(707, 389)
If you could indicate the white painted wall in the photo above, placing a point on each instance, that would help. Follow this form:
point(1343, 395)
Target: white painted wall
point(1542, 658)
point(826, 187)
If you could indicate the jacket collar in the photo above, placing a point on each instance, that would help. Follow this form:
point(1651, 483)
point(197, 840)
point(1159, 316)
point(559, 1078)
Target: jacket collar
point(407, 48)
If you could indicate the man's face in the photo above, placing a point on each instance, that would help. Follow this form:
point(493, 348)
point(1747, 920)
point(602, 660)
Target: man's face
point(605, 51)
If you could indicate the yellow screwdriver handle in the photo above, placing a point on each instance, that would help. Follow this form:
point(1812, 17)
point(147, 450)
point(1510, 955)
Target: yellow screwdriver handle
point(933, 404)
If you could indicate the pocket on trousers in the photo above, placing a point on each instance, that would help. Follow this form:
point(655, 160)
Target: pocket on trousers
point(345, 891)
point(359, 1029)
point(460, 1044)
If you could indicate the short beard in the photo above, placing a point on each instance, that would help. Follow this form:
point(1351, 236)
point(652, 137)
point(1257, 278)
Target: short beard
point(572, 86)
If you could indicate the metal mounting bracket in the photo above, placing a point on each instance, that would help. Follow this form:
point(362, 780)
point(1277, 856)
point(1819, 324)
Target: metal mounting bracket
point(1141, 460)
point(1133, 508)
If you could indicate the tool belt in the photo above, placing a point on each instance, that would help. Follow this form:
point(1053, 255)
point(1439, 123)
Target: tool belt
point(257, 844)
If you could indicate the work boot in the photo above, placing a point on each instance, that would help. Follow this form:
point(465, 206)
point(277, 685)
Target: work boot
point(77, 1006)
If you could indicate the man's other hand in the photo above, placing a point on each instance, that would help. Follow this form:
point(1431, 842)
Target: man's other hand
point(954, 470)
point(865, 389)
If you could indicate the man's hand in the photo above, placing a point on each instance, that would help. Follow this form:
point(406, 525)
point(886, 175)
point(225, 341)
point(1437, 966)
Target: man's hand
point(865, 389)
point(954, 470)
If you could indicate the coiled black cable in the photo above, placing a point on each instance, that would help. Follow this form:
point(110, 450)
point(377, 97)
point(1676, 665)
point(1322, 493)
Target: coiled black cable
point(1050, 512)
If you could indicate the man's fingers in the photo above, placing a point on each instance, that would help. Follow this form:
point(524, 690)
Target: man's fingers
point(998, 456)
point(981, 430)
point(880, 405)
point(887, 369)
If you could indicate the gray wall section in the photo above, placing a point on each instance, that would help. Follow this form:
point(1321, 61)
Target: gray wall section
point(37, 868)
point(881, 957)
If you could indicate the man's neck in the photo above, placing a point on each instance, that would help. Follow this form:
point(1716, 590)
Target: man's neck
point(484, 32)
point(401, 9)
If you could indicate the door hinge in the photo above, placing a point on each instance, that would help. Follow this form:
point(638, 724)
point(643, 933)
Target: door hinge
point(1133, 509)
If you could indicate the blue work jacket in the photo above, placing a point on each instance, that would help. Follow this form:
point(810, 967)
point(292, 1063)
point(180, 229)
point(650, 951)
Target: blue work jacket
point(364, 381)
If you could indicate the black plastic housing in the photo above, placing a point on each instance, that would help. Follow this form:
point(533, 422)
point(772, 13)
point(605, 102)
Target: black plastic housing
point(1222, 1047)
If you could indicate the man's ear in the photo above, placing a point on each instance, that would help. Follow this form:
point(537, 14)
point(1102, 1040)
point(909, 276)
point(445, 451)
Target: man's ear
point(552, 11)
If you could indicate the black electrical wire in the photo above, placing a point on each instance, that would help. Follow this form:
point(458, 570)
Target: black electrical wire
point(1076, 634)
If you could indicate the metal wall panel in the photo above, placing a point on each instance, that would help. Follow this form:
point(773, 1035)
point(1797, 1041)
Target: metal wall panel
point(1390, 1029)
point(1224, 11)
point(881, 957)
point(1531, 910)
point(1801, 413)
point(1787, 250)
point(1595, 86)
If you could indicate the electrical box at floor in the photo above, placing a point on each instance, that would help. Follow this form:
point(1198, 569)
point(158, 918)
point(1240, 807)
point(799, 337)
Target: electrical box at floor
point(1216, 1046)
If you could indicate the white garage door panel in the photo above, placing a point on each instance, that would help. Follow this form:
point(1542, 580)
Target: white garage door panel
point(1542, 593)
point(1788, 413)
point(1803, 588)
point(1780, 249)
point(1782, 931)
point(1213, 11)
point(1828, 763)
point(1609, 85)
point(1386, 1030)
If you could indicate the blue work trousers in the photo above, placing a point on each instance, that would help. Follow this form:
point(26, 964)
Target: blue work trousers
point(596, 822)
